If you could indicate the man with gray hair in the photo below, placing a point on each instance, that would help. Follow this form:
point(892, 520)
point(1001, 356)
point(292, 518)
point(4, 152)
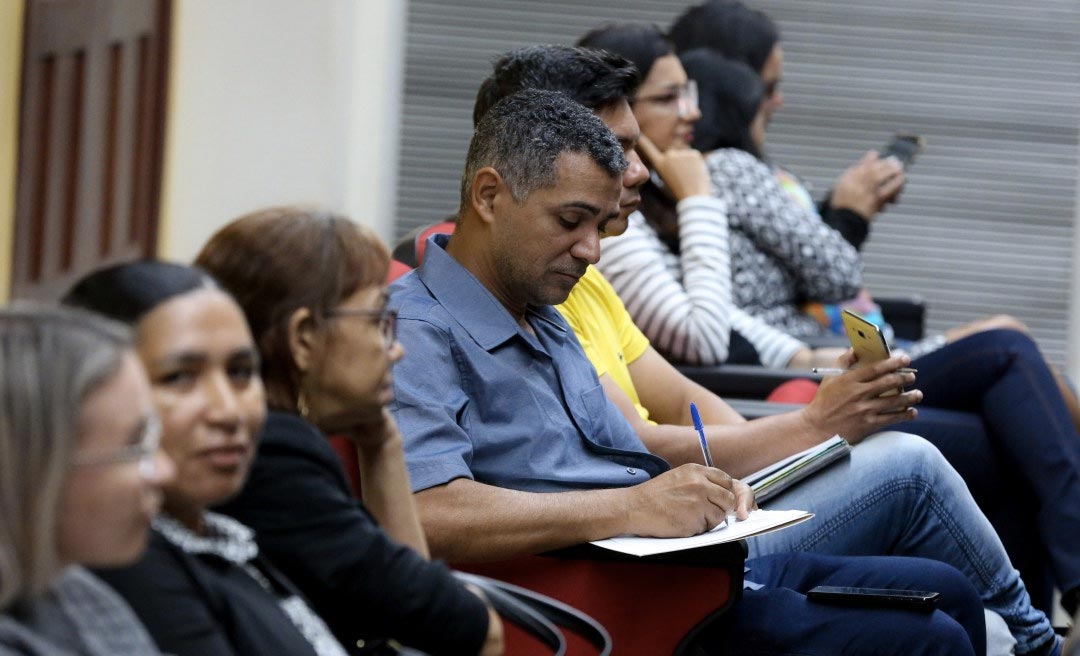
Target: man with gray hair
point(542, 180)
point(513, 447)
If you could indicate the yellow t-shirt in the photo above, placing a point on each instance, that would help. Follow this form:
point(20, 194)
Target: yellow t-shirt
point(606, 331)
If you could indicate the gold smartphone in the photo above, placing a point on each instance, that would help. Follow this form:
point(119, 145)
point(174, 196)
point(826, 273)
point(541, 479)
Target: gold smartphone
point(868, 342)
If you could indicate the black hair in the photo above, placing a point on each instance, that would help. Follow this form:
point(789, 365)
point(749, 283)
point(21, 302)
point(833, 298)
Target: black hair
point(729, 97)
point(590, 78)
point(126, 292)
point(522, 136)
point(728, 27)
point(639, 43)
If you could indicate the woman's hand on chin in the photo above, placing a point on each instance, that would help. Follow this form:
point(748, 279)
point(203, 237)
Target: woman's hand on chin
point(366, 428)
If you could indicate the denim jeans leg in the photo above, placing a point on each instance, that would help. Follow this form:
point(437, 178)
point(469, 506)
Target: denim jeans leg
point(896, 495)
point(1002, 376)
point(963, 439)
point(779, 619)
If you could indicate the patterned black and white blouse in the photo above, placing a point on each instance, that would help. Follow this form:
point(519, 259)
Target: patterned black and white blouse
point(230, 540)
point(781, 253)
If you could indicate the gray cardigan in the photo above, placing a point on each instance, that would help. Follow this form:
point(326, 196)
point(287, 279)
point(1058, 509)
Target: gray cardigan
point(78, 615)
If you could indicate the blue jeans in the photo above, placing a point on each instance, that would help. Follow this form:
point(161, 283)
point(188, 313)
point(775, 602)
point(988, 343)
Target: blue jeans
point(897, 495)
point(1022, 434)
point(778, 619)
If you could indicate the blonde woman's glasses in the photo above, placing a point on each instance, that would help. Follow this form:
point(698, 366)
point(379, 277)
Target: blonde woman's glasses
point(144, 452)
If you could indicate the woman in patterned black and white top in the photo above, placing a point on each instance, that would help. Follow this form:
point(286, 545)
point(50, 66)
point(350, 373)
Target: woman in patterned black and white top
point(782, 253)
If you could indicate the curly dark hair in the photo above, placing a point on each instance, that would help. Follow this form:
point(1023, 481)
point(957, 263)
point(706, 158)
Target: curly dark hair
point(589, 77)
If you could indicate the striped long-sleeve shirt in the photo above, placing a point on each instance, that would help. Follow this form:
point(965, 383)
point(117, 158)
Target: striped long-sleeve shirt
point(683, 303)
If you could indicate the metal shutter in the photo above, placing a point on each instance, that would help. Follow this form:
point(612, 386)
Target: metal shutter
point(986, 222)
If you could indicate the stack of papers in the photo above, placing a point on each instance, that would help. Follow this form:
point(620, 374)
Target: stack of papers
point(759, 522)
point(779, 476)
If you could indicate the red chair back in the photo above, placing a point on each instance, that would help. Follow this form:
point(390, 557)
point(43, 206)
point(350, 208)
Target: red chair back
point(397, 269)
point(420, 244)
point(648, 607)
point(346, 452)
point(410, 249)
point(799, 390)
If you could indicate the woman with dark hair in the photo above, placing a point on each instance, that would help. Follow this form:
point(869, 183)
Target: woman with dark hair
point(746, 35)
point(204, 567)
point(202, 587)
point(80, 480)
point(312, 285)
point(679, 210)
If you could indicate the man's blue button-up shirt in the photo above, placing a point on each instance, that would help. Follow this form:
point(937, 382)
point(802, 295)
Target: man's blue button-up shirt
point(478, 397)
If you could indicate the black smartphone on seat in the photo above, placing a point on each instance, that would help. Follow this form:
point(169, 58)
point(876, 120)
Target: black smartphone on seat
point(917, 600)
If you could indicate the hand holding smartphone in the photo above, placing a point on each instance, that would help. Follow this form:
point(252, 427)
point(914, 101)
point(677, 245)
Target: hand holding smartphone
point(904, 147)
point(868, 342)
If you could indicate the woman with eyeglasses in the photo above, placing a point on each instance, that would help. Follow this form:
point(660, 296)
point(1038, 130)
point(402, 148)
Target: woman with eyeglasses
point(202, 587)
point(672, 265)
point(312, 285)
point(80, 478)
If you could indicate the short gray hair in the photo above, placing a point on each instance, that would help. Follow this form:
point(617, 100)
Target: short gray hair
point(51, 359)
point(522, 135)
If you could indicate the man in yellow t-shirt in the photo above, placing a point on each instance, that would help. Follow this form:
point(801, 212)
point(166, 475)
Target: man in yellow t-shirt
point(606, 332)
point(655, 397)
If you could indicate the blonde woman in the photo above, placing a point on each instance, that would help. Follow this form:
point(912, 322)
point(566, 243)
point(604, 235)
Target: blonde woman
point(79, 481)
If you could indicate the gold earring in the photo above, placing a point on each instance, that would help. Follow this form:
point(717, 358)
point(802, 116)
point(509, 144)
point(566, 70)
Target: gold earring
point(301, 404)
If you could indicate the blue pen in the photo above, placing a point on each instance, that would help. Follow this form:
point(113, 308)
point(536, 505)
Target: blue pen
point(701, 434)
point(708, 454)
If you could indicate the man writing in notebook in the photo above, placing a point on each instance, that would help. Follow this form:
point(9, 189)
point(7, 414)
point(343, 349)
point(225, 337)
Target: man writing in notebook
point(512, 446)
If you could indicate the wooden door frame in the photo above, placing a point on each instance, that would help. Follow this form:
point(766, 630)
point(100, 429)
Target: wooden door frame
point(92, 106)
point(11, 42)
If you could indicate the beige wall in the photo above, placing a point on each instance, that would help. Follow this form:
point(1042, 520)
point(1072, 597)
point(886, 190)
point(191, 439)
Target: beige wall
point(11, 27)
point(277, 101)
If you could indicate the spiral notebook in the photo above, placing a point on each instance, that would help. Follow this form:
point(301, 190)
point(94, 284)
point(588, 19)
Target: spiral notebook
point(779, 476)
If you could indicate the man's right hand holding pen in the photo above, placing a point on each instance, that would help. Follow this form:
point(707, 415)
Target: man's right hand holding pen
point(851, 404)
